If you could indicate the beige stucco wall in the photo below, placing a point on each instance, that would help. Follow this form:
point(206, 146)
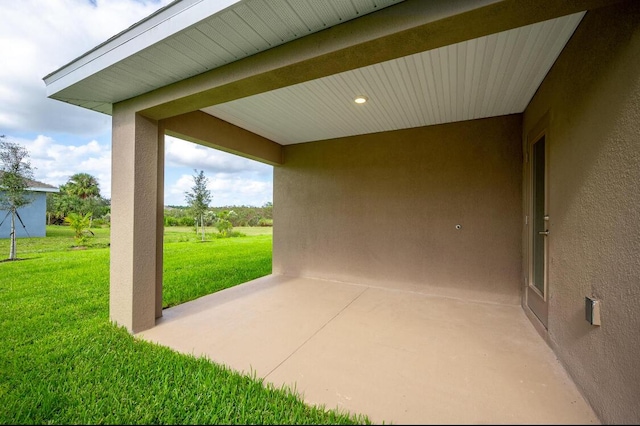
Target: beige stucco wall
point(592, 96)
point(136, 220)
point(381, 209)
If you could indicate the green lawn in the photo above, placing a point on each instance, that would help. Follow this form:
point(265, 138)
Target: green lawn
point(193, 268)
point(63, 362)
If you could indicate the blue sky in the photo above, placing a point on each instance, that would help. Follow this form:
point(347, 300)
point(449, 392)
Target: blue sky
point(39, 36)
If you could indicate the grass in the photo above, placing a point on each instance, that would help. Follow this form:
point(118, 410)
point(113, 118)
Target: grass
point(64, 362)
point(197, 268)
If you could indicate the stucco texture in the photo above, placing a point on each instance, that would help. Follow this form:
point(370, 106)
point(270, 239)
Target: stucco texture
point(136, 226)
point(382, 209)
point(592, 98)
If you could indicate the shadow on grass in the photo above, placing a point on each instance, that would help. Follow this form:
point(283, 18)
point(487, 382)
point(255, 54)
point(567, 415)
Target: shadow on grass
point(16, 259)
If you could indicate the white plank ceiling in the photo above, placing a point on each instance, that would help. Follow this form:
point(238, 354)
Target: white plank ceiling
point(484, 77)
point(135, 61)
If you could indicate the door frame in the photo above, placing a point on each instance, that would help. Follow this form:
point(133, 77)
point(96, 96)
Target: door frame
point(537, 304)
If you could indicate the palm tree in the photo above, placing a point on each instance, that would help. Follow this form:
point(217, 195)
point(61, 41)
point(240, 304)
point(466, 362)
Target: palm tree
point(83, 185)
point(86, 188)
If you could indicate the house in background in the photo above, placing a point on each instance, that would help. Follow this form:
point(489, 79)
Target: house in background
point(33, 215)
point(504, 135)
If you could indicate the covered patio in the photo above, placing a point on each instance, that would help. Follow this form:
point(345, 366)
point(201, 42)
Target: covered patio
point(398, 356)
point(442, 252)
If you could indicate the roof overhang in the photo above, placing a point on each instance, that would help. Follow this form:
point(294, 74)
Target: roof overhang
point(189, 37)
point(42, 189)
point(288, 71)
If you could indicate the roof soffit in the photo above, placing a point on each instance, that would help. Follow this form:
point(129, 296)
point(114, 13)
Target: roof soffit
point(177, 43)
point(483, 77)
point(359, 43)
point(392, 34)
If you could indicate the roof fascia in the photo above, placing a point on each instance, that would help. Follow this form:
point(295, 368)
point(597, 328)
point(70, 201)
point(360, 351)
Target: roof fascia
point(40, 189)
point(165, 22)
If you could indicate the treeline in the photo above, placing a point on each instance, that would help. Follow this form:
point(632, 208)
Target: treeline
point(237, 215)
point(81, 196)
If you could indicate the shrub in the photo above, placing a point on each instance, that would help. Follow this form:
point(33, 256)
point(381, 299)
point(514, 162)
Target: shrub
point(80, 225)
point(171, 221)
point(265, 222)
point(186, 221)
point(224, 225)
point(231, 234)
point(100, 223)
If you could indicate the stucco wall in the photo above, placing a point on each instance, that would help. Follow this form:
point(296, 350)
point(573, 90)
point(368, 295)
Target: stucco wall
point(592, 95)
point(33, 215)
point(381, 209)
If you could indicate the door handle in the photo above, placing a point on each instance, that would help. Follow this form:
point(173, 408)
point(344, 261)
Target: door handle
point(544, 232)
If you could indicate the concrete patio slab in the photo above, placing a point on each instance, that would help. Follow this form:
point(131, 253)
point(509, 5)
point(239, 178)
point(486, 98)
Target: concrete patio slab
point(397, 356)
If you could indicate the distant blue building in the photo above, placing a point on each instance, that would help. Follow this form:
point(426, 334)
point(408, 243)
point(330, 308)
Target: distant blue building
point(33, 215)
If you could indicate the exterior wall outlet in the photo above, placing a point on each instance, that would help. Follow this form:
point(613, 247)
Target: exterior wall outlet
point(592, 310)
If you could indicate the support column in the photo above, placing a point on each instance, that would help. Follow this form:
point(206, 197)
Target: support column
point(137, 182)
point(160, 222)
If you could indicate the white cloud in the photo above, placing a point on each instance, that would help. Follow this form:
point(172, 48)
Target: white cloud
point(233, 180)
point(54, 163)
point(36, 38)
point(180, 153)
point(242, 189)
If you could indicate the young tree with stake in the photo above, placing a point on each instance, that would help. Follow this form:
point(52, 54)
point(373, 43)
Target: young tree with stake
point(199, 197)
point(15, 172)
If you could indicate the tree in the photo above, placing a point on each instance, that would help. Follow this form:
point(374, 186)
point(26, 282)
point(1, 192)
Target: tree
point(199, 197)
point(15, 173)
point(81, 194)
point(83, 186)
point(60, 204)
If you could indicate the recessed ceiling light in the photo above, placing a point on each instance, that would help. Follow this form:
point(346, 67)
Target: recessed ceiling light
point(360, 99)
